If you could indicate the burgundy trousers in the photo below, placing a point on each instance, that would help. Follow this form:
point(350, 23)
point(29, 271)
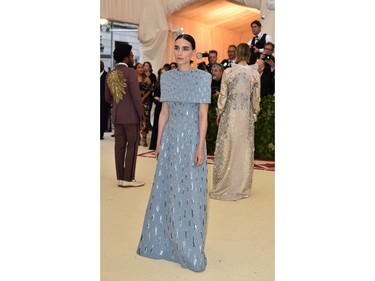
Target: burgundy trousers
point(126, 150)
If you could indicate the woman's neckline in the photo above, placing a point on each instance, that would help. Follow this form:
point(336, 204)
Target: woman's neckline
point(179, 70)
point(242, 63)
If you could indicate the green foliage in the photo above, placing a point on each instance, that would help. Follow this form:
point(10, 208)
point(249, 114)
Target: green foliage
point(265, 130)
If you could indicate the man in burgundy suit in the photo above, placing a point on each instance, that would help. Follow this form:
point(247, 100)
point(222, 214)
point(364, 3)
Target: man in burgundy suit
point(122, 91)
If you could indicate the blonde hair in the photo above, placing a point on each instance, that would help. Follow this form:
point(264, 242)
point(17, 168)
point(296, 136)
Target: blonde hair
point(243, 52)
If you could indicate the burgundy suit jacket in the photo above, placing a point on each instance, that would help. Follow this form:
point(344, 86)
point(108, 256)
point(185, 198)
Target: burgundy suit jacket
point(129, 110)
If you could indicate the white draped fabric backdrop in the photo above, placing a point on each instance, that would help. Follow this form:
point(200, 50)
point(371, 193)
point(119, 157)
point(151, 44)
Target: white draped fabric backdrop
point(155, 21)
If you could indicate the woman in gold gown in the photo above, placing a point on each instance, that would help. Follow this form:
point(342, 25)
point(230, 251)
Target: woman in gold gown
point(237, 107)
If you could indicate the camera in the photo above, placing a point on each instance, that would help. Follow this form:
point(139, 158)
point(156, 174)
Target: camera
point(200, 55)
point(203, 66)
point(214, 89)
point(268, 57)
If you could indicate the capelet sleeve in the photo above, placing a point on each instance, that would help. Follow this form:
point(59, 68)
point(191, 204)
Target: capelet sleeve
point(192, 86)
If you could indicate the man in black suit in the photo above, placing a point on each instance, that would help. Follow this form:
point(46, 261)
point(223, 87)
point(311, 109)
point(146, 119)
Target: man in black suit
point(217, 74)
point(258, 41)
point(267, 80)
point(231, 57)
point(104, 106)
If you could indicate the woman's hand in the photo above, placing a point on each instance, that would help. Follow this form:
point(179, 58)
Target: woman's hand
point(157, 151)
point(199, 157)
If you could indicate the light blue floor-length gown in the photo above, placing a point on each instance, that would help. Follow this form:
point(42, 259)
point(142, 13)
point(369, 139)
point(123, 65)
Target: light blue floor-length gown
point(175, 222)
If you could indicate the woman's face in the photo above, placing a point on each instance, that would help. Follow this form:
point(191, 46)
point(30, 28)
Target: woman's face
point(183, 51)
point(146, 67)
point(139, 68)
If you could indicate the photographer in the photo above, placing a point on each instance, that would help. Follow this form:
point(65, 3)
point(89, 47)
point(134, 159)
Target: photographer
point(203, 66)
point(212, 59)
point(231, 57)
point(257, 43)
point(217, 73)
point(267, 79)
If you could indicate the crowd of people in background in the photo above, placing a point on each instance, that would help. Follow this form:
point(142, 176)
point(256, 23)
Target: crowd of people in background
point(261, 59)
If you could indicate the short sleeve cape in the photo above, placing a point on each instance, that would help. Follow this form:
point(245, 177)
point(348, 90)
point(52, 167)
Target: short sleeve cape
point(192, 86)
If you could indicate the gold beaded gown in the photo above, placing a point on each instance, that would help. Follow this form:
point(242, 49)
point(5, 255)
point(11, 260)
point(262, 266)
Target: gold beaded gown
point(234, 150)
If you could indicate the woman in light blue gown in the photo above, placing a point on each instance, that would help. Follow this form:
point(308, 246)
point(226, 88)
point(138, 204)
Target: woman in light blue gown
point(175, 222)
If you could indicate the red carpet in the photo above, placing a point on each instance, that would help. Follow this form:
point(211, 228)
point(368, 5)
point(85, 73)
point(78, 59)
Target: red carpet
point(265, 165)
